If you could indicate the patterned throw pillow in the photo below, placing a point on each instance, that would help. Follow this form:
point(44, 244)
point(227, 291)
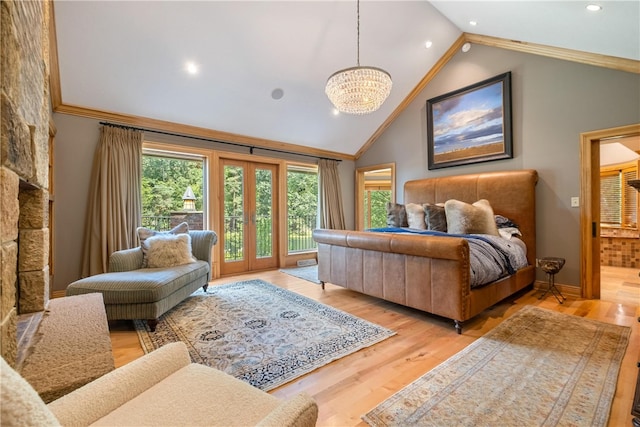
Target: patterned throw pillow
point(396, 215)
point(435, 217)
point(145, 233)
point(168, 250)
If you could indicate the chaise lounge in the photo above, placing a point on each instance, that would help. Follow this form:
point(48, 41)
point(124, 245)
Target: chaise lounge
point(131, 291)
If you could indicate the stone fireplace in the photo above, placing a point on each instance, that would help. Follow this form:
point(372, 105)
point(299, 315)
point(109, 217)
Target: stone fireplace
point(25, 110)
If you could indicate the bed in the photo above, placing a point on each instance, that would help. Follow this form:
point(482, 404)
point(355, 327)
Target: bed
point(433, 273)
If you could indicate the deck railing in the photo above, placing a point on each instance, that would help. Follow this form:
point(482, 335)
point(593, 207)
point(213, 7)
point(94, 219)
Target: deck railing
point(298, 234)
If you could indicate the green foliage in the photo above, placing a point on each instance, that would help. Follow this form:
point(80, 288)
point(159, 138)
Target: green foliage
point(377, 199)
point(302, 194)
point(302, 209)
point(164, 181)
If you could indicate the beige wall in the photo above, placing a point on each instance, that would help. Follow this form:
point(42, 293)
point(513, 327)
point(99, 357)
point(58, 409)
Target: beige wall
point(553, 101)
point(76, 142)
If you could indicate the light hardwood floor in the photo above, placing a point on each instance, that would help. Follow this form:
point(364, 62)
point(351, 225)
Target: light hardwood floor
point(620, 285)
point(349, 387)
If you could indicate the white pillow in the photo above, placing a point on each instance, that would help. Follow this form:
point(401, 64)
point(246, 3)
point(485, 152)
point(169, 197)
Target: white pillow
point(463, 218)
point(145, 233)
point(415, 216)
point(169, 250)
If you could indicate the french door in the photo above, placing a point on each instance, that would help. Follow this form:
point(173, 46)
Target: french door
point(249, 193)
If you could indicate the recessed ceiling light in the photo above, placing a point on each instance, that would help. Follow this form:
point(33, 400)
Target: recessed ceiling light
point(594, 7)
point(473, 23)
point(192, 68)
point(466, 47)
point(277, 93)
point(428, 44)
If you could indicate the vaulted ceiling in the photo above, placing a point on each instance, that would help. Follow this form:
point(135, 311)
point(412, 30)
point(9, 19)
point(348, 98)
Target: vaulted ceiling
point(127, 61)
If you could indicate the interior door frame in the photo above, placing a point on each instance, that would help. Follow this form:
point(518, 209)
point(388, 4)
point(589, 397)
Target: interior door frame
point(590, 207)
point(359, 190)
point(218, 198)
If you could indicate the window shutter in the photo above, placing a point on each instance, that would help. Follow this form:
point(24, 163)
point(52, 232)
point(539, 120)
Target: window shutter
point(610, 199)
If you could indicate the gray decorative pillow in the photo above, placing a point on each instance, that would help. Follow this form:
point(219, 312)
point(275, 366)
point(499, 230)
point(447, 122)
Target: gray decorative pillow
point(415, 216)
point(168, 250)
point(145, 233)
point(435, 217)
point(463, 218)
point(396, 215)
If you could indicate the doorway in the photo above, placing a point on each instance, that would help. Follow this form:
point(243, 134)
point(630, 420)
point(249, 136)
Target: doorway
point(249, 198)
point(375, 185)
point(590, 210)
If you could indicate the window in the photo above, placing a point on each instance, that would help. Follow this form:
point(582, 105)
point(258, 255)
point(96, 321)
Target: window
point(302, 207)
point(618, 200)
point(173, 190)
point(375, 206)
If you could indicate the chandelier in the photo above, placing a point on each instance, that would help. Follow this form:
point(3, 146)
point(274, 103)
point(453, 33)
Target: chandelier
point(358, 90)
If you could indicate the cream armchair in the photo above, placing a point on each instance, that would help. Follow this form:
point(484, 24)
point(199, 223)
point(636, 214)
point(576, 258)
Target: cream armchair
point(161, 388)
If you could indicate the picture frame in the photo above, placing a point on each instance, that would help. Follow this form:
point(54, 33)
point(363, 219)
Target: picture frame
point(471, 124)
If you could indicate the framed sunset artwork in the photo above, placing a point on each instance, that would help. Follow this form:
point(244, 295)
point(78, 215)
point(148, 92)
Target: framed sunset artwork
point(471, 125)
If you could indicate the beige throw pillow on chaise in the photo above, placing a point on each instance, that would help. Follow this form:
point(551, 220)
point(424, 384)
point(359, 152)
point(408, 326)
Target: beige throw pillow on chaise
point(145, 233)
point(168, 250)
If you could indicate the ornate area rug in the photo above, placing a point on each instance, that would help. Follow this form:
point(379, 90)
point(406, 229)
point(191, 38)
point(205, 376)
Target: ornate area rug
point(309, 273)
point(260, 333)
point(537, 368)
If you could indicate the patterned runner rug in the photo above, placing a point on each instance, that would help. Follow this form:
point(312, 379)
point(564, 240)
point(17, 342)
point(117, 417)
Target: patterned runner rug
point(260, 333)
point(537, 368)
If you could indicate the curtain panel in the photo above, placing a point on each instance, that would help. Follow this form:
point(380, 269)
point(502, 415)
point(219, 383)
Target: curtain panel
point(114, 208)
point(331, 211)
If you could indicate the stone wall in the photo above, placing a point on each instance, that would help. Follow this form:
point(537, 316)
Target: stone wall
point(24, 164)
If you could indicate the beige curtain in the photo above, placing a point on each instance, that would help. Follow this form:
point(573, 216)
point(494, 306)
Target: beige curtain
point(114, 207)
point(331, 212)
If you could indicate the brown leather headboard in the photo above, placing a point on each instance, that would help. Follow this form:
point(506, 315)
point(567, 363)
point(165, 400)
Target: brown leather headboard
point(511, 194)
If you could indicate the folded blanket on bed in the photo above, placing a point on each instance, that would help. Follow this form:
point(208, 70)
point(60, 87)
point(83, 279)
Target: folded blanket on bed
point(490, 257)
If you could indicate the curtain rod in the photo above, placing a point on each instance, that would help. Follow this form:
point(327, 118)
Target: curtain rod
point(235, 144)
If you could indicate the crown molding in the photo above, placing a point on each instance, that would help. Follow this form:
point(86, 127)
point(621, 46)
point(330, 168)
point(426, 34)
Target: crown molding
point(195, 131)
point(598, 60)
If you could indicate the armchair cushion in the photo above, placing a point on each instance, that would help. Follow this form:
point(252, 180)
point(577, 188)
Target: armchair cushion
point(116, 388)
point(21, 405)
point(163, 387)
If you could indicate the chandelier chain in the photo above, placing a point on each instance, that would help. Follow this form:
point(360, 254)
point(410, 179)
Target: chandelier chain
point(358, 43)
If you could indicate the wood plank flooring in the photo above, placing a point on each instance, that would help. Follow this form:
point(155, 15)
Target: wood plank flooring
point(349, 387)
point(620, 284)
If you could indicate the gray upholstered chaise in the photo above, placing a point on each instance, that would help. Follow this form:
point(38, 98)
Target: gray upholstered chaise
point(133, 292)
